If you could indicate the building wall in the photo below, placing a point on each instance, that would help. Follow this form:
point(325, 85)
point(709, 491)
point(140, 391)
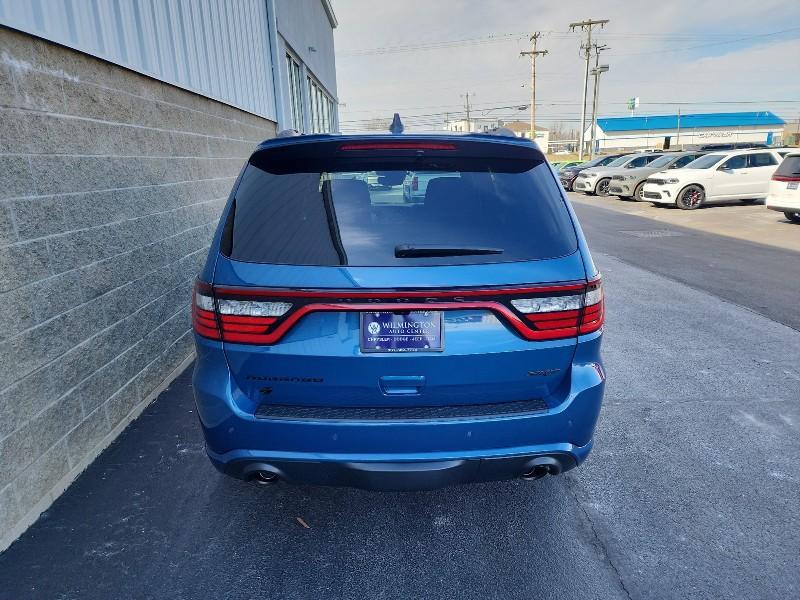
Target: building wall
point(111, 184)
point(305, 24)
point(218, 49)
point(716, 135)
point(304, 28)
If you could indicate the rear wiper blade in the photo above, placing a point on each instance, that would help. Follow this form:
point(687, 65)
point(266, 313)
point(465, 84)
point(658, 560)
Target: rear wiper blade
point(426, 250)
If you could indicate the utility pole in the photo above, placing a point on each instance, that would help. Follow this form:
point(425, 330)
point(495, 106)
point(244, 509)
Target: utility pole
point(596, 72)
point(466, 106)
point(533, 54)
point(587, 26)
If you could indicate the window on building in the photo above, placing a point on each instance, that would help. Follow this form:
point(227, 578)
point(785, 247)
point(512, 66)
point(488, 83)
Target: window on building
point(321, 108)
point(295, 92)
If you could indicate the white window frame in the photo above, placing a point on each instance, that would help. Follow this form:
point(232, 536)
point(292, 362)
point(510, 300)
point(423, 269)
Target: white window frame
point(295, 88)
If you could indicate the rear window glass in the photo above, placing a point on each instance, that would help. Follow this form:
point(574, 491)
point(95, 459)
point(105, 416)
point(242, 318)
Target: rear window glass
point(790, 166)
point(405, 211)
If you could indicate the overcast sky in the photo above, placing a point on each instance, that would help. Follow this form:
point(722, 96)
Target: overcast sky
point(419, 57)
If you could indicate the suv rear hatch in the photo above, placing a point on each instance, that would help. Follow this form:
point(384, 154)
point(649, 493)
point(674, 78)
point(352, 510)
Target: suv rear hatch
point(329, 293)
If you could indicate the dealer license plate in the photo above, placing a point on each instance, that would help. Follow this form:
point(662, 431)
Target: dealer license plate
point(413, 331)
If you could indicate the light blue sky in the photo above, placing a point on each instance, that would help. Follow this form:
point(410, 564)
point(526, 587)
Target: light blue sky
point(420, 56)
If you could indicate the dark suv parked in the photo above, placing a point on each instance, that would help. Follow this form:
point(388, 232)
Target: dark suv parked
point(568, 175)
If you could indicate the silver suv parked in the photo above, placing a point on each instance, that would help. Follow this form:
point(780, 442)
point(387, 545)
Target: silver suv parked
point(631, 183)
point(597, 179)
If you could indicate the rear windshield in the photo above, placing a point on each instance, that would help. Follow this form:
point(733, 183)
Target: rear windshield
point(790, 166)
point(414, 210)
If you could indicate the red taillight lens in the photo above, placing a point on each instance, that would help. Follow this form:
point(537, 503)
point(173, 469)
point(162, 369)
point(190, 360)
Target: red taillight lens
point(415, 183)
point(204, 315)
point(565, 315)
point(264, 316)
point(786, 178)
point(594, 308)
point(242, 319)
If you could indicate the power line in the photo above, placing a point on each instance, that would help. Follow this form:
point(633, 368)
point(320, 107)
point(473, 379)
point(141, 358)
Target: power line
point(519, 36)
point(683, 49)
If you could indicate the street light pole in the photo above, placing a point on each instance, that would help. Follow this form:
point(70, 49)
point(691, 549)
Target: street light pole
point(596, 72)
point(587, 26)
point(597, 50)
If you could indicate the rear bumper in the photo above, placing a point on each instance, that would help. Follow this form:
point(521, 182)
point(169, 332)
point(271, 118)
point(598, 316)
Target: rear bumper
point(783, 205)
point(399, 454)
point(404, 475)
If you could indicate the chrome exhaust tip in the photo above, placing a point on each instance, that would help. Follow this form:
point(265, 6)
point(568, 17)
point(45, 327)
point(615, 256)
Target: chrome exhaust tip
point(264, 477)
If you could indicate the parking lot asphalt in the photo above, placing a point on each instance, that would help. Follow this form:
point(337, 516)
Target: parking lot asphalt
point(758, 275)
point(752, 222)
point(691, 491)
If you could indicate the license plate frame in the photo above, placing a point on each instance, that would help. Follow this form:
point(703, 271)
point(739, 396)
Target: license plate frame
point(399, 332)
point(792, 185)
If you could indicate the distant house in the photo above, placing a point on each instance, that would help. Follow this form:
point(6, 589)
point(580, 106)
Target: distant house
point(520, 128)
point(523, 129)
point(671, 131)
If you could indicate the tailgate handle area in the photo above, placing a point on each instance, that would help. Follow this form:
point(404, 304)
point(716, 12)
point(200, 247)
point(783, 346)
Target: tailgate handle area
point(402, 385)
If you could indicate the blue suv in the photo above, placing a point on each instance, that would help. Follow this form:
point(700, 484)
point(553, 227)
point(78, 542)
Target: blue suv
point(348, 337)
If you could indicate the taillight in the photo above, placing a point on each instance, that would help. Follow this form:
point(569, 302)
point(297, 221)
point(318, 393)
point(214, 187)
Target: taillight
point(204, 315)
point(415, 183)
point(244, 320)
point(564, 315)
point(264, 316)
point(593, 308)
point(786, 178)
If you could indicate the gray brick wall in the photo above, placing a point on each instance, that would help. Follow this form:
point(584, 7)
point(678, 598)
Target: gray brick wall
point(111, 184)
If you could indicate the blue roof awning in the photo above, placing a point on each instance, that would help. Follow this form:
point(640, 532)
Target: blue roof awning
point(689, 121)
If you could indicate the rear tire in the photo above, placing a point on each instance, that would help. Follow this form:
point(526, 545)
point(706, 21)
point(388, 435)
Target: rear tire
point(794, 217)
point(690, 197)
point(601, 189)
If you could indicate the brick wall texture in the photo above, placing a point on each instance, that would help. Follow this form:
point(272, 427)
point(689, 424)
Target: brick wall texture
point(111, 184)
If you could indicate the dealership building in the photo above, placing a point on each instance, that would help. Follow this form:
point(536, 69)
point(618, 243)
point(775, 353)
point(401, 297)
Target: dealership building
point(687, 130)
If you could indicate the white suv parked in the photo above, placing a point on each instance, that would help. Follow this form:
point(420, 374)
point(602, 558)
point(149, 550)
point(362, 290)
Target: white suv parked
point(784, 188)
point(733, 175)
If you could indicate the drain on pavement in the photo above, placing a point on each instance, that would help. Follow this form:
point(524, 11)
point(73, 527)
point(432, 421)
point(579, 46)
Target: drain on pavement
point(654, 233)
